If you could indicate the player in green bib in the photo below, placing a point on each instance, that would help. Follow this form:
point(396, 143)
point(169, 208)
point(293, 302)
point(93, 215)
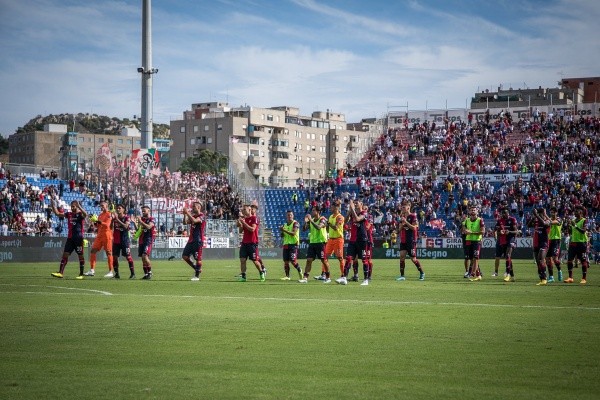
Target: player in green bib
point(578, 246)
point(317, 236)
point(290, 232)
point(473, 229)
point(553, 255)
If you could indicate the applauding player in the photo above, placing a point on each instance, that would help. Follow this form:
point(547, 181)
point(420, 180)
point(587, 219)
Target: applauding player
point(75, 219)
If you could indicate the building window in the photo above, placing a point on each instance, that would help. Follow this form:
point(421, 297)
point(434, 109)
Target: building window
point(182, 129)
point(120, 141)
point(209, 140)
point(182, 154)
point(269, 118)
point(206, 128)
point(196, 127)
point(219, 127)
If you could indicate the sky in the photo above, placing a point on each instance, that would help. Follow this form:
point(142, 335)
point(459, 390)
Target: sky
point(356, 57)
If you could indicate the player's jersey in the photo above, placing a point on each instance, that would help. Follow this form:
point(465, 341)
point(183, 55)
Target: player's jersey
point(147, 235)
point(75, 225)
point(408, 235)
point(251, 237)
point(370, 228)
point(540, 233)
point(104, 224)
point(121, 234)
point(197, 230)
point(352, 228)
point(576, 235)
point(288, 239)
point(318, 235)
point(506, 224)
point(336, 220)
point(556, 230)
point(360, 231)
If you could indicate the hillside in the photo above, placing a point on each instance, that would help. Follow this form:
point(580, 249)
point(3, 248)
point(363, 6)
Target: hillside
point(91, 123)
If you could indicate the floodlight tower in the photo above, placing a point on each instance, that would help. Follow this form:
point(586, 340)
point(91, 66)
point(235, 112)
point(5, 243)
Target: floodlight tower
point(147, 71)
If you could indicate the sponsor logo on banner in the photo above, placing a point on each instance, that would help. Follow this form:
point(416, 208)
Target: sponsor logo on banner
point(525, 242)
point(177, 242)
point(456, 243)
point(487, 243)
point(218, 243)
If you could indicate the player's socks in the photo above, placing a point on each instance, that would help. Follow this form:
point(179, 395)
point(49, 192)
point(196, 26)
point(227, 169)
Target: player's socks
point(63, 264)
point(402, 266)
point(110, 262)
point(418, 265)
point(93, 261)
point(81, 265)
point(341, 266)
point(130, 262)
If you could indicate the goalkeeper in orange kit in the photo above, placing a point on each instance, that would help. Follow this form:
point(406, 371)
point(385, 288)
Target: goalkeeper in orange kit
point(104, 240)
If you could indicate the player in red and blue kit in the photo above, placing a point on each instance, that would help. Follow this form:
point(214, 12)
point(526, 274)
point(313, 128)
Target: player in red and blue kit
point(121, 241)
point(540, 223)
point(75, 219)
point(506, 230)
point(195, 243)
point(146, 222)
point(357, 242)
point(248, 224)
point(409, 234)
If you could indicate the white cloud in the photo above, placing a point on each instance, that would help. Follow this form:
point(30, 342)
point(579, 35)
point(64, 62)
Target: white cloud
point(69, 56)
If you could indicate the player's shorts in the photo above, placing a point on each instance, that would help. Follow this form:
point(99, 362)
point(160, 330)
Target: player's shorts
point(145, 248)
point(554, 248)
point(74, 245)
point(577, 250)
point(193, 249)
point(537, 250)
point(472, 250)
point(119, 249)
point(502, 250)
point(290, 252)
point(544, 245)
point(335, 247)
point(368, 251)
point(249, 250)
point(102, 242)
point(410, 248)
point(356, 250)
point(316, 251)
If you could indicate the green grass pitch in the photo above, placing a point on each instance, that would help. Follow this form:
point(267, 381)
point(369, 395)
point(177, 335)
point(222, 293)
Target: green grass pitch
point(171, 338)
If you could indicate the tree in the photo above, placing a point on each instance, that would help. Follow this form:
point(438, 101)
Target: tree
point(3, 145)
point(205, 161)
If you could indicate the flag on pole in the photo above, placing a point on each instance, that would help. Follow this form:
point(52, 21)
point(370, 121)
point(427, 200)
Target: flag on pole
point(103, 160)
point(145, 162)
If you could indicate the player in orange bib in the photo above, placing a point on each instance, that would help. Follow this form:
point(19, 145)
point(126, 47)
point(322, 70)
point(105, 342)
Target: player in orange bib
point(104, 240)
point(335, 241)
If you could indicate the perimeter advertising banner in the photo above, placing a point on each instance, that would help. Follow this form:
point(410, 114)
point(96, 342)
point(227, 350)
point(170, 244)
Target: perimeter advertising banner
point(14, 249)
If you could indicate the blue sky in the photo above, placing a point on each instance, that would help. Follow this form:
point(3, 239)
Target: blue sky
point(356, 57)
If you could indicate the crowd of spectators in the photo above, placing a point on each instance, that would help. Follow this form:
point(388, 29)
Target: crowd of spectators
point(25, 206)
point(549, 161)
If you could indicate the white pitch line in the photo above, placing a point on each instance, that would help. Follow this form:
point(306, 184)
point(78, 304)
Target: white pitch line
point(61, 287)
point(290, 299)
point(375, 302)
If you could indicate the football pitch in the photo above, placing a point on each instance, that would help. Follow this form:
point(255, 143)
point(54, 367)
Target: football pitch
point(170, 338)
